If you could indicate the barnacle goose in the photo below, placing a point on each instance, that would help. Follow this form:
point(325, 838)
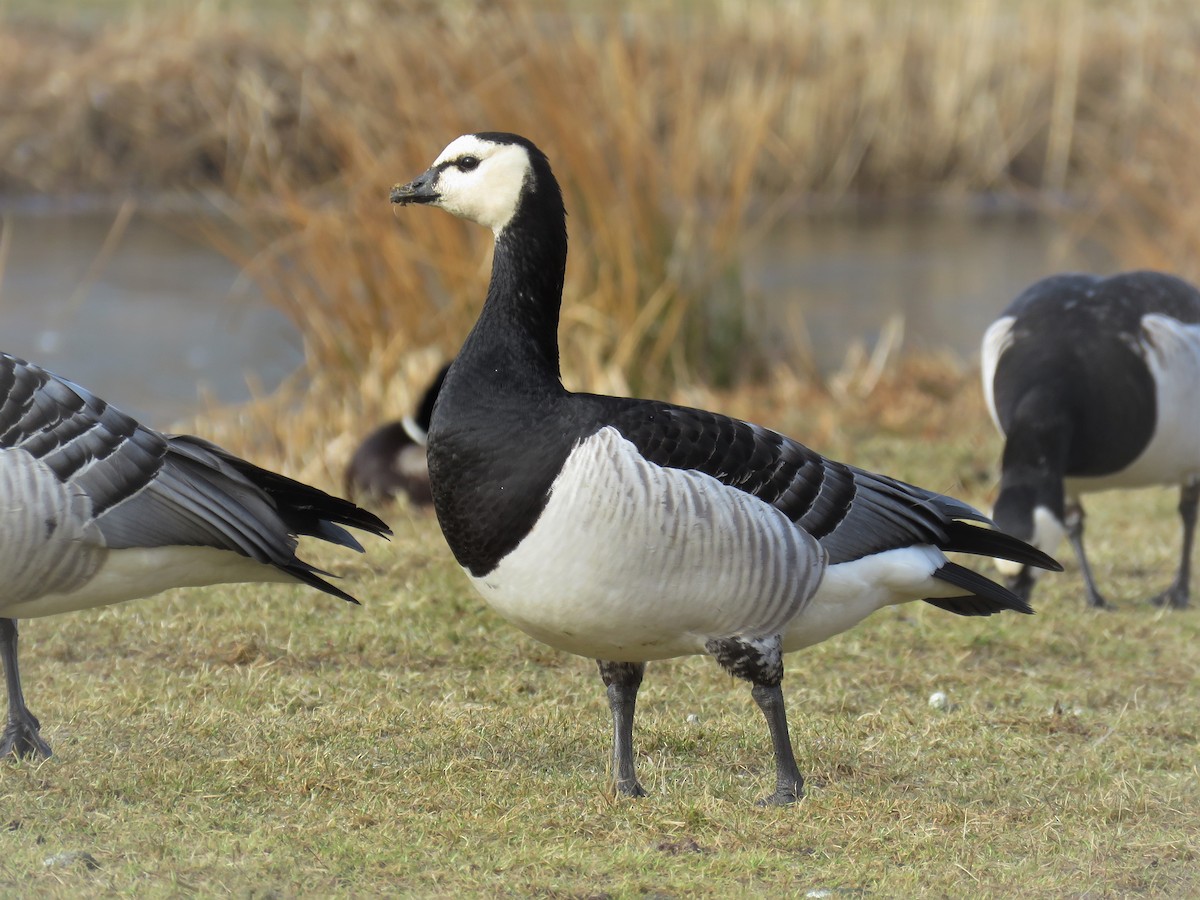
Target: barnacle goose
point(1093, 383)
point(633, 530)
point(391, 459)
point(96, 509)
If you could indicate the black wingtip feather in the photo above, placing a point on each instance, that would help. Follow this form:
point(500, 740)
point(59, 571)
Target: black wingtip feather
point(963, 537)
point(304, 509)
point(985, 596)
point(309, 510)
point(335, 534)
point(312, 577)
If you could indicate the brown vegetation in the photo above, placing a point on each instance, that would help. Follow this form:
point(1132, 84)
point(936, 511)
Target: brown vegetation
point(678, 130)
point(300, 748)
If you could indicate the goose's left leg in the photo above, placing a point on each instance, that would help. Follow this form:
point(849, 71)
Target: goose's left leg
point(761, 663)
point(20, 737)
point(1177, 594)
point(622, 680)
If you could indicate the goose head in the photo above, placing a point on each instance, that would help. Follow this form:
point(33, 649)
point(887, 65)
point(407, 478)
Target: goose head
point(1030, 506)
point(478, 177)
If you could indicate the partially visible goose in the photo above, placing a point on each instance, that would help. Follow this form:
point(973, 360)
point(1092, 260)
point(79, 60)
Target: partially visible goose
point(391, 459)
point(1093, 382)
point(96, 509)
point(632, 530)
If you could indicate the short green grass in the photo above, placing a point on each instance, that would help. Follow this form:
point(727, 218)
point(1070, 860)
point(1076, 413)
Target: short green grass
point(266, 741)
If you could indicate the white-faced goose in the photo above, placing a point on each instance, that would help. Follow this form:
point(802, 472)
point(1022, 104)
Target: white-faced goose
point(633, 530)
point(1093, 383)
point(98, 509)
point(391, 460)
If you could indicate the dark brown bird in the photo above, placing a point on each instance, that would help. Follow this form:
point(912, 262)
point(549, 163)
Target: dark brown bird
point(391, 459)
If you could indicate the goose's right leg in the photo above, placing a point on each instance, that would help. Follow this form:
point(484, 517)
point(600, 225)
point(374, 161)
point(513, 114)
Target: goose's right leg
point(21, 735)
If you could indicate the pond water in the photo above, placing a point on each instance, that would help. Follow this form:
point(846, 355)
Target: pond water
point(166, 317)
point(821, 282)
point(160, 323)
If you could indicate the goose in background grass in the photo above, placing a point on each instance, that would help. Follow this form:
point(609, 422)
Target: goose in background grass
point(1093, 382)
point(633, 530)
point(391, 460)
point(96, 509)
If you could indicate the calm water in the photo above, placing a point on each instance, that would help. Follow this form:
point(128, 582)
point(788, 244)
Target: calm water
point(167, 317)
point(163, 320)
point(949, 274)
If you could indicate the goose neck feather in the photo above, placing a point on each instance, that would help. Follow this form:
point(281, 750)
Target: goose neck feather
point(516, 336)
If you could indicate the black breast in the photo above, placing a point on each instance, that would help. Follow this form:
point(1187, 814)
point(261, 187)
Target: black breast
point(492, 461)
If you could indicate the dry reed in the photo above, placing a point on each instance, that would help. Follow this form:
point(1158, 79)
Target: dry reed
point(679, 130)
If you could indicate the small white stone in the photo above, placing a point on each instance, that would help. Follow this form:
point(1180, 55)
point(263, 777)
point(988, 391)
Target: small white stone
point(70, 858)
point(939, 700)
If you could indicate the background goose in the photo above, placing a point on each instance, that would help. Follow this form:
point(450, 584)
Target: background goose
point(391, 459)
point(631, 530)
point(97, 509)
point(1093, 383)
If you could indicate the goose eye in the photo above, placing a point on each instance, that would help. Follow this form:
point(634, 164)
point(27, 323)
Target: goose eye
point(467, 163)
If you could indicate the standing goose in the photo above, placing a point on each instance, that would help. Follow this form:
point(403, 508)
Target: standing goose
point(96, 509)
point(632, 530)
point(1093, 382)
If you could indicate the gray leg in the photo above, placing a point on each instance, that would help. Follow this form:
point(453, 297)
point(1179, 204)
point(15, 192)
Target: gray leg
point(1177, 594)
point(1074, 523)
point(761, 663)
point(622, 679)
point(21, 737)
point(789, 783)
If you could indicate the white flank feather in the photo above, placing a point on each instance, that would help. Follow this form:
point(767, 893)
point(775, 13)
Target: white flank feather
point(851, 591)
point(996, 340)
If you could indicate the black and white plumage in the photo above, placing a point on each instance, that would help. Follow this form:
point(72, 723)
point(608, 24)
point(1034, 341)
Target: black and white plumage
point(1093, 383)
point(96, 509)
point(633, 530)
point(391, 460)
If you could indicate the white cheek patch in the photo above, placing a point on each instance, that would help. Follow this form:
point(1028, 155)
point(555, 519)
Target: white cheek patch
point(490, 193)
point(1008, 568)
point(1048, 531)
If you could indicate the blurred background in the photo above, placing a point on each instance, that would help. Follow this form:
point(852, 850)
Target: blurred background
point(789, 196)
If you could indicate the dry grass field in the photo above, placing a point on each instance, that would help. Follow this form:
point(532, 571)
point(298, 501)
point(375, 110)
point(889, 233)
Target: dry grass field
point(265, 742)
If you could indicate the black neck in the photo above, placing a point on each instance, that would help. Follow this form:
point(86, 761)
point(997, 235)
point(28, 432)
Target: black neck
point(516, 337)
point(1036, 454)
